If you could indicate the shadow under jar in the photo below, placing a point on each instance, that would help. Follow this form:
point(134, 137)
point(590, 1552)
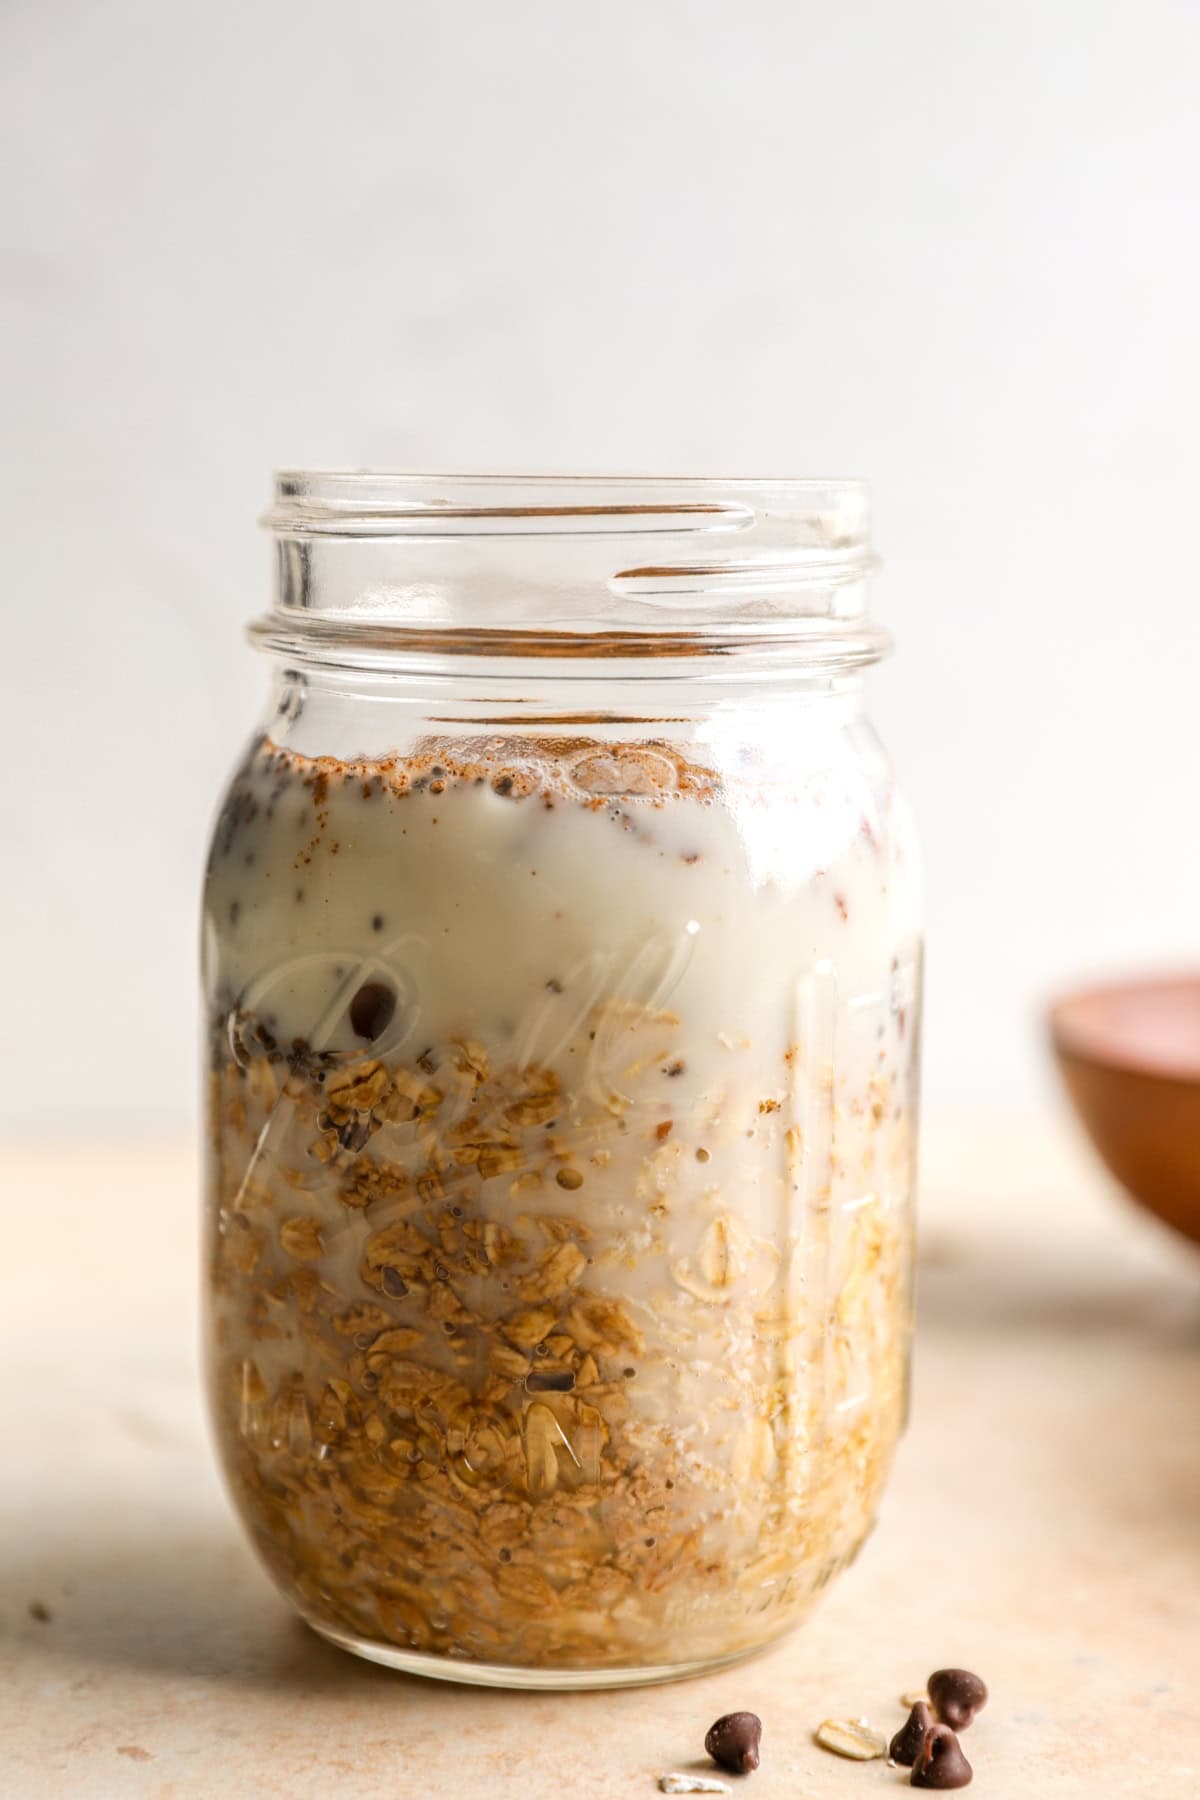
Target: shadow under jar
point(562, 967)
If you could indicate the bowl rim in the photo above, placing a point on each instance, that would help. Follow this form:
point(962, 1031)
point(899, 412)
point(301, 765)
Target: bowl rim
point(1068, 1041)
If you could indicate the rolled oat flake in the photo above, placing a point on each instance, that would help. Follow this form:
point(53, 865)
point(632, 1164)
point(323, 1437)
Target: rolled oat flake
point(851, 1737)
point(693, 1784)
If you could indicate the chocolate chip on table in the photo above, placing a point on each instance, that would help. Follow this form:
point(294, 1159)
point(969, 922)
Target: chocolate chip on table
point(734, 1741)
point(956, 1696)
point(371, 1009)
point(906, 1744)
point(940, 1761)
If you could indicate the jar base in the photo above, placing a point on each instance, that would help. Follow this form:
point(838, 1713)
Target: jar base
point(505, 1675)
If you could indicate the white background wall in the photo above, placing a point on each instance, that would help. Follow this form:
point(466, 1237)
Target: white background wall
point(949, 245)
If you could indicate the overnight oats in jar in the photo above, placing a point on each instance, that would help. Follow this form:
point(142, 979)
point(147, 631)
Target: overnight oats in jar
point(562, 968)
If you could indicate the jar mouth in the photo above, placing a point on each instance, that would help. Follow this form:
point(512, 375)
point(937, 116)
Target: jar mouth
point(381, 561)
point(833, 513)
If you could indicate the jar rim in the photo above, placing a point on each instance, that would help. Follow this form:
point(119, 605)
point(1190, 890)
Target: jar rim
point(305, 497)
point(587, 564)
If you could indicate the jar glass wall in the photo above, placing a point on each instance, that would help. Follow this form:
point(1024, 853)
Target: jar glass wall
point(561, 966)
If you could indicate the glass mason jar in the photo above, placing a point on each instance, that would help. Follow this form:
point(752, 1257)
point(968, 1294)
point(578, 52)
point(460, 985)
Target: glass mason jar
point(561, 965)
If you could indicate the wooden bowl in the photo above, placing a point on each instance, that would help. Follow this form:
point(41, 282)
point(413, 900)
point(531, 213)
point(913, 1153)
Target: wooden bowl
point(1130, 1057)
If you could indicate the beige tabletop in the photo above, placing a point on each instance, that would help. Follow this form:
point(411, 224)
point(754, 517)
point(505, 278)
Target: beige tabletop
point(1042, 1527)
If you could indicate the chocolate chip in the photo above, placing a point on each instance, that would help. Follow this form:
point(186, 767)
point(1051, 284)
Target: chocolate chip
point(906, 1745)
point(956, 1696)
point(377, 922)
point(354, 1134)
point(394, 1283)
point(371, 1009)
point(940, 1762)
point(549, 1381)
point(733, 1742)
